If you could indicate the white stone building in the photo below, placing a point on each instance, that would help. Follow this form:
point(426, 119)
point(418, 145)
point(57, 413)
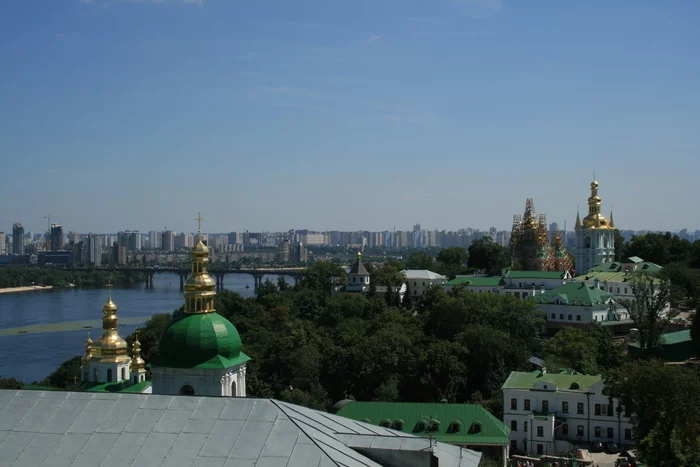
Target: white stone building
point(549, 413)
point(417, 280)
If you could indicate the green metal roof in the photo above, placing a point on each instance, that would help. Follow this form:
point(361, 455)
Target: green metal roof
point(605, 276)
point(493, 281)
point(206, 340)
point(575, 294)
point(493, 431)
point(671, 338)
point(118, 387)
point(563, 380)
point(634, 259)
point(641, 266)
point(534, 275)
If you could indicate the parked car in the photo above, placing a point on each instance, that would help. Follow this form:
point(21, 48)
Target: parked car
point(597, 446)
point(611, 448)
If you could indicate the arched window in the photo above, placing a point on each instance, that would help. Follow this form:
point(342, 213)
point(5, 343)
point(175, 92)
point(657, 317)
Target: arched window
point(574, 386)
point(123, 373)
point(397, 425)
point(136, 379)
point(587, 242)
point(513, 425)
point(187, 390)
point(233, 389)
point(454, 427)
point(109, 374)
point(420, 427)
point(385, 423)
point(474, 429)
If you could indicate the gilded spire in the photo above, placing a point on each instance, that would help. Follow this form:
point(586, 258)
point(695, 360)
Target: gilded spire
point(199, 287)
point(594, 219)
point(612, 221)
point(110, 344)
point(578, 219)
point(88, 349)
point(136, 360)
point(359, 255)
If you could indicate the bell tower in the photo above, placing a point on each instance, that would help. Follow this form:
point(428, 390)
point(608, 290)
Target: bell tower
point(595, 235)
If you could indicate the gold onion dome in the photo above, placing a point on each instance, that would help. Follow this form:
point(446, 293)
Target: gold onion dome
point(88, 348)
point(136, 361)
point(110, 342)
point(594, 219)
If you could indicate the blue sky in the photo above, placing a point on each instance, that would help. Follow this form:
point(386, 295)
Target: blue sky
point(362, 114)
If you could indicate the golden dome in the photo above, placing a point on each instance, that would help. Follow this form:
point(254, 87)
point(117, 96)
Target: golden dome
point(594, 220)
point(200, 248)
point(199, 281)
point(110, 343)
point(136, 360)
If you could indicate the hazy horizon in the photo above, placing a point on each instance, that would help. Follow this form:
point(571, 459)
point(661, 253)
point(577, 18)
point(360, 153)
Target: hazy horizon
point(364, 115)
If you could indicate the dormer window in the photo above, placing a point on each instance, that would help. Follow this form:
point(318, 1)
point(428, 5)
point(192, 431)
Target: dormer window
point(474, 429)
point(397, 425)
point(385, 423)
point(420, 427)
point(574, 386)
point(454, 427)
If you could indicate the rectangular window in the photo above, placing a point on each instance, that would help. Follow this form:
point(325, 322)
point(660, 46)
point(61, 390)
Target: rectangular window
point(610, 432)
point(414, 283)
point(525, 427)
point(610, 410)
point(625, 289)
point(618, 290)
point(554, 316)
point(628, 433)
point(597, 409)
point(578, 317)
point(565, 407)
point(545, 406)
point(565, 429)
point(540, 449)
point(540, 431)
point(570, 318)
point(597, 432)
point(561, 316)
point(579, 408)
point(514, 404)
point(527, 404)
point(610, 289)
point(579, 430)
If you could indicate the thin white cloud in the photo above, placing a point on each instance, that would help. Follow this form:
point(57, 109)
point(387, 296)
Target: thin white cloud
point(373, 38)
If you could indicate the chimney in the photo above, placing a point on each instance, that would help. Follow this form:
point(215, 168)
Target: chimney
point(596, 283)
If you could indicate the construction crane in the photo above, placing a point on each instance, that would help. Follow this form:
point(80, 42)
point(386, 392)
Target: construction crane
point(49, 217)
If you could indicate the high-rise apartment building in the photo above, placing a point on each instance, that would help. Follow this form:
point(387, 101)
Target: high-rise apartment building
point(57, 241)
point(168, 241)
point(154, 240)
point(18, 239)
point(134, 241)
point(2, 243)
point(234, 238)
point(92, 251)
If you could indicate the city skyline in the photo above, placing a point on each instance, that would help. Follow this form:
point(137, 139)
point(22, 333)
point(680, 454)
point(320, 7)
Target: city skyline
point(349, 116)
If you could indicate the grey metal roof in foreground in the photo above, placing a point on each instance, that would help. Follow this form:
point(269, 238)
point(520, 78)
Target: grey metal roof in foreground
point(78, 429)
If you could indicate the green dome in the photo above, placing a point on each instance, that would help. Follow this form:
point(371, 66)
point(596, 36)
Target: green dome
point(204, 340)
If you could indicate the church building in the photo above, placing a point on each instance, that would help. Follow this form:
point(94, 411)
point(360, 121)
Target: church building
point(200, 353)
point(106, 360)
point(595, 235)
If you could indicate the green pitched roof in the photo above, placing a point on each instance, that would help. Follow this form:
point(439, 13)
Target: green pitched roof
point(493, 431)
point(117, 387)
point(634, 259)
point(493, 281)
point(675, 337)
point(575, 294)
point(605, 276)
point(563, 380)
point(534, 275)
point(606, 267)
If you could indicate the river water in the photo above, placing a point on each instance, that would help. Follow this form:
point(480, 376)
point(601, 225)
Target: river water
point(31, 357)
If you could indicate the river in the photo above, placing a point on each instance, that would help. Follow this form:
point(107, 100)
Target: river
point(31, 357)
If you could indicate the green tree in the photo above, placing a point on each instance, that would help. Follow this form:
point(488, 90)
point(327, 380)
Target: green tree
point(649, 309)
point(664, 403)
point(451, 261)
point(323, 276)
point(620, 246)
point(66, 376)
point(572, 348)
point(10, 383)
point(420, 260)
point(487, 255)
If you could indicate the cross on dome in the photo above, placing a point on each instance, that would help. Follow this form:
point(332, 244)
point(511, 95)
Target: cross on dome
point(199, 220)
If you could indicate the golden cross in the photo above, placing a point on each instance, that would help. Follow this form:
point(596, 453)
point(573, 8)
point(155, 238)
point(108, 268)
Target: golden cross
point(109, 289)
point(75, 379)
point(199, 222)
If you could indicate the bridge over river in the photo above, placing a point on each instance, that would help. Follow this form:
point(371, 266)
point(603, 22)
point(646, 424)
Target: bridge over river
point(217, 273)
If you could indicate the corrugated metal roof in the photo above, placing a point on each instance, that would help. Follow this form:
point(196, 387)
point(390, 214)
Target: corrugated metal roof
point(53, 428)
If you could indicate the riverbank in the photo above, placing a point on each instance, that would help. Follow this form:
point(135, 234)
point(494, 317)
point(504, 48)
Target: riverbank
point(30, 288)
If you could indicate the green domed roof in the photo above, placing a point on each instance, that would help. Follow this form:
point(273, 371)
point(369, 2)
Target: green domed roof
point(204, 340)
